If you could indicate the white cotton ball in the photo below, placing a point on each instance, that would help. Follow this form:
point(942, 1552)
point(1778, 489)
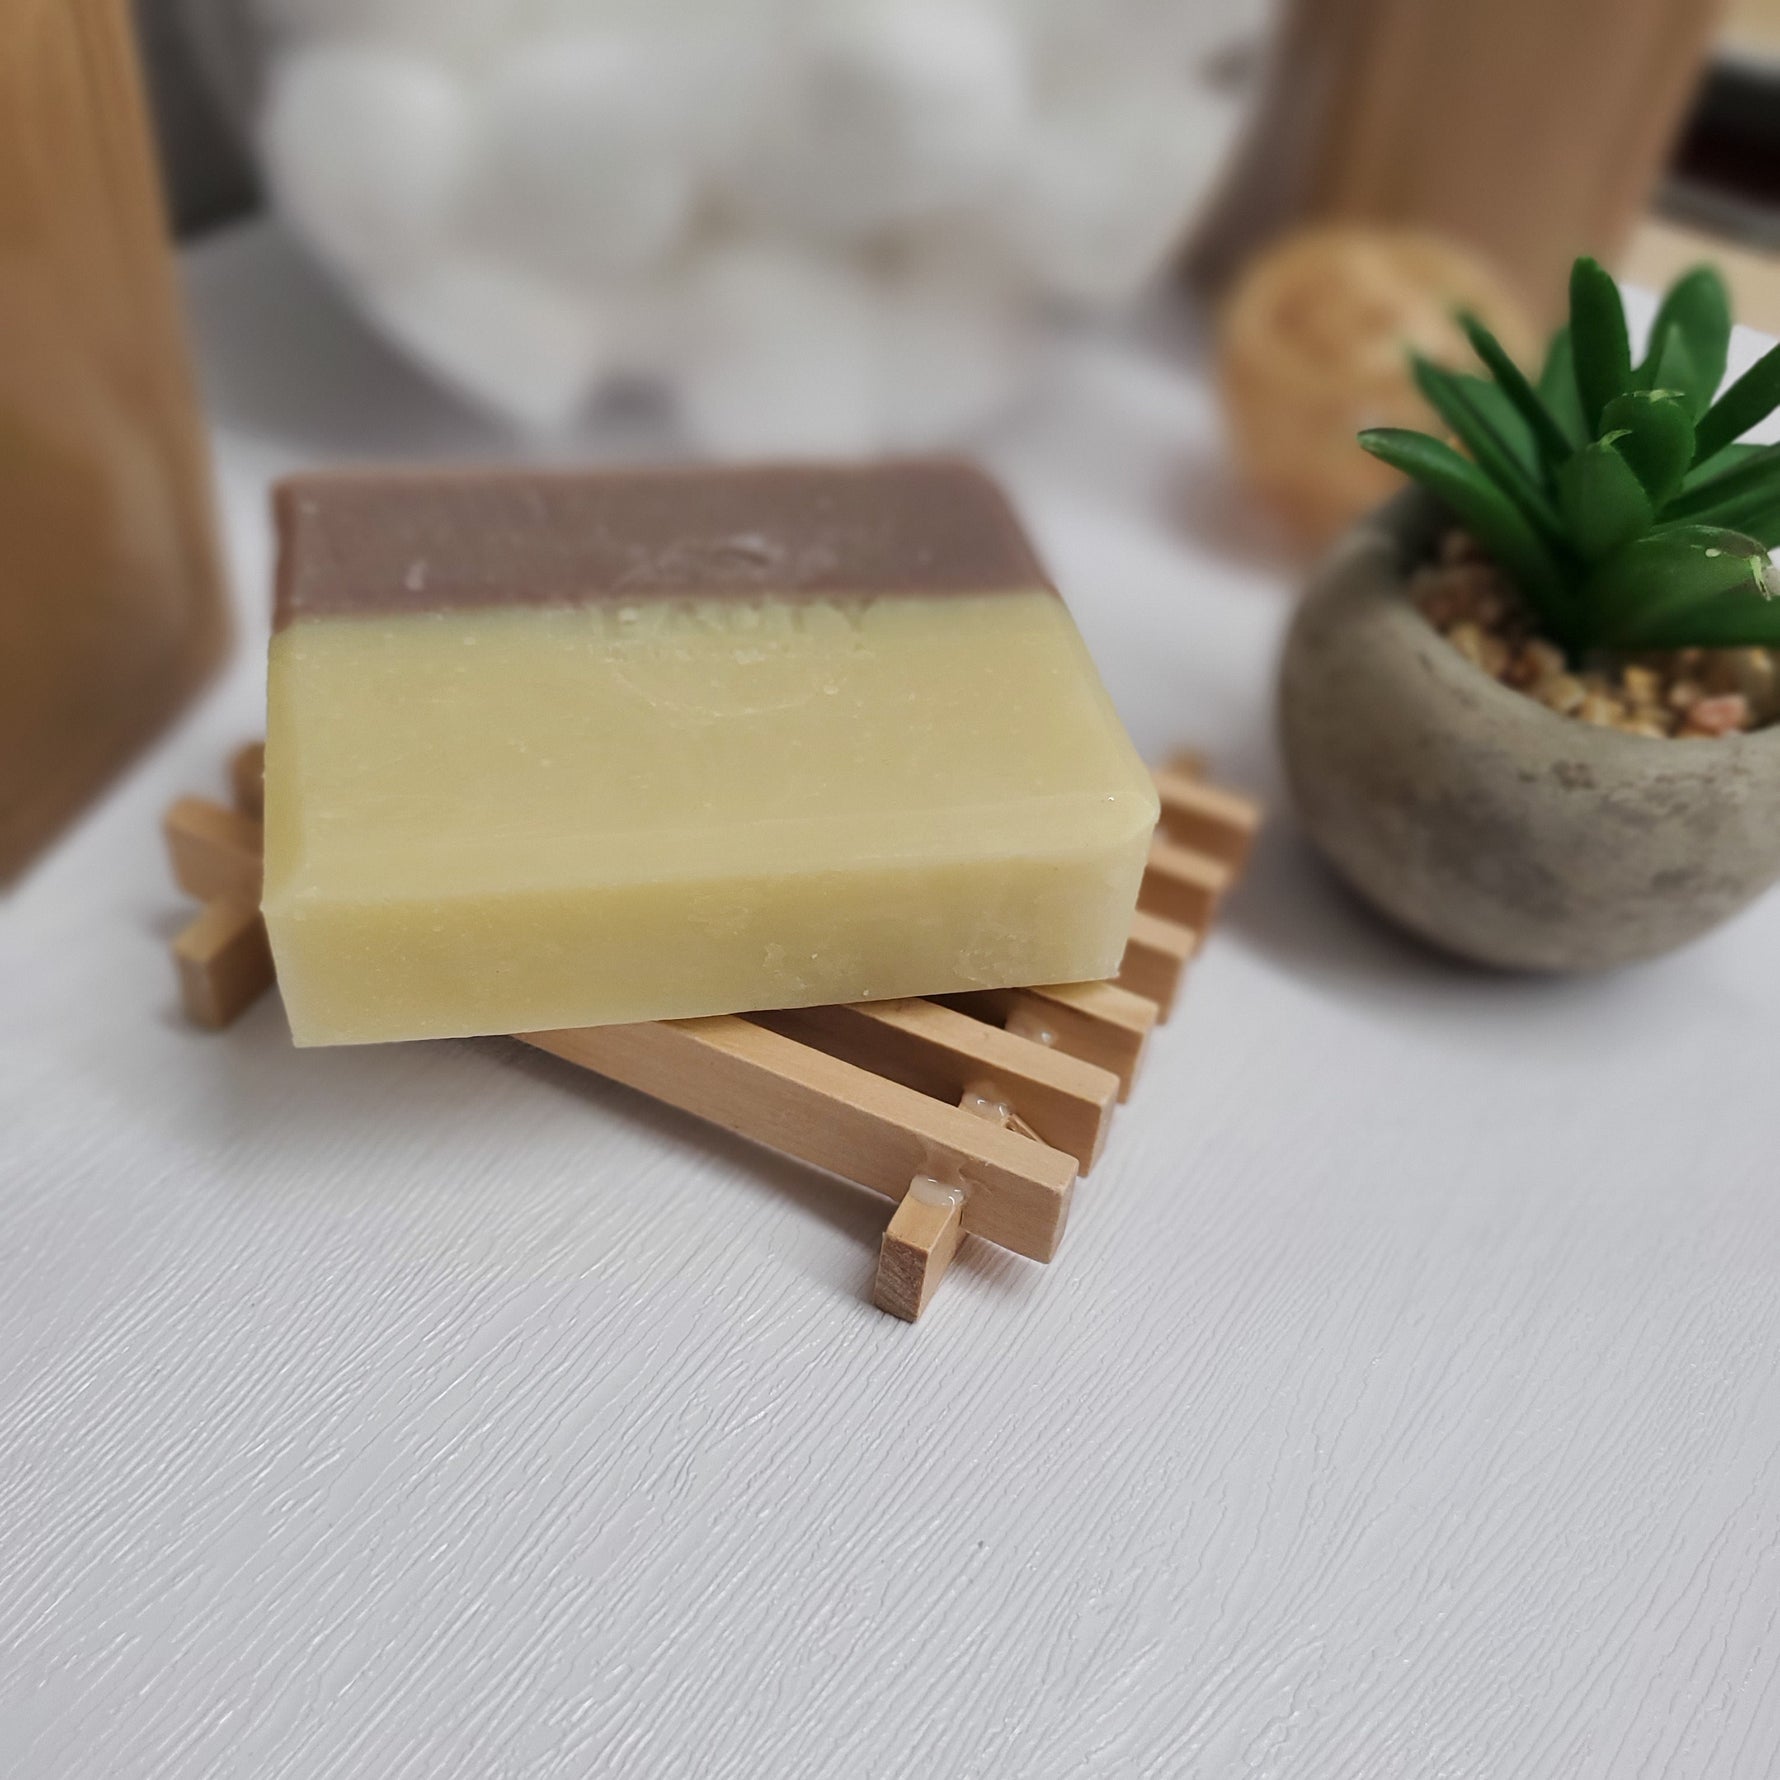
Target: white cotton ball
point(775, 351)
point(365, 149)
point(583, 166)
point(957, 339)
point(889, 113)
point(511, 344)
point(1107, 185)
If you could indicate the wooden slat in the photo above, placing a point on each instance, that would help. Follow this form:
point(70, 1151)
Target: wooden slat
point(1200, 816)
point(1098, 1022)
point(247, 779)
point(215, 851)
point(1181, 884)
point(827, 1112)
point(918, 1247)
point(224, 962)
point(942, 1052)
point(1156, 959)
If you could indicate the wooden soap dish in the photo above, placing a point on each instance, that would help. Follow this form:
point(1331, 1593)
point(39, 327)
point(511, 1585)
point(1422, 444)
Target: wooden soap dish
point(975, 1112)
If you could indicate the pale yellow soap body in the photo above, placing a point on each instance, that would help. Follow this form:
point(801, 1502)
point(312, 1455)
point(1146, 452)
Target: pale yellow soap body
point(521, 818)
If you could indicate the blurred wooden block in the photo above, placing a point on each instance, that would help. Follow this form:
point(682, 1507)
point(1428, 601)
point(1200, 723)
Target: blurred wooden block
point(215, 851)
point(112, 613)
point(1528, 131)
point(1183, 885)
point(224, 962)
point(1201, 817)
point(1156, 959)
point(247, 779)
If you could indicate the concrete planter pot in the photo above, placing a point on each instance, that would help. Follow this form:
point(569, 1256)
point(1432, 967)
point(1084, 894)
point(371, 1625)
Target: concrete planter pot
point(1484, 822)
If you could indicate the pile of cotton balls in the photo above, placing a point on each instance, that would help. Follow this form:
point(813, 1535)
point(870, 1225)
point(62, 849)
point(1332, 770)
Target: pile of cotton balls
point(825, 225)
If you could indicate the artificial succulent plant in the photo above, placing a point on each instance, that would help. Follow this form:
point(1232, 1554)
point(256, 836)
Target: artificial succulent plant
point(1615, 493)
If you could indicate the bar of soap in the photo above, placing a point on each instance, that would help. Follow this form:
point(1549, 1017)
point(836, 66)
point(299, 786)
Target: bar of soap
point(551, 749)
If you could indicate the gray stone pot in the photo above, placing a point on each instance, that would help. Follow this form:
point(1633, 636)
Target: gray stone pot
point(1482, 821)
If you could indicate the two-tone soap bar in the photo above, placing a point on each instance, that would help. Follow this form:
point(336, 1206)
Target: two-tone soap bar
point(551, 750)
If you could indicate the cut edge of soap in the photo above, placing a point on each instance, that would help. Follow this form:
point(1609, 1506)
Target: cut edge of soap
point(1102, 882)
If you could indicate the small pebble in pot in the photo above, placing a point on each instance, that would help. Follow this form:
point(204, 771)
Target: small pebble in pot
point(1687, 693)
point(1722, 715)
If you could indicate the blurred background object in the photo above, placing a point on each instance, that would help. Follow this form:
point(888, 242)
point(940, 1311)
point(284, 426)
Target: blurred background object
point(840, 224)
point(822, 225)
point(1313, 346)
point(1726, 174)
point(111, 612)
point(1752, 30)
point(1529, 131)
point(1723, 183)
point(205, 163)
point(845, 225)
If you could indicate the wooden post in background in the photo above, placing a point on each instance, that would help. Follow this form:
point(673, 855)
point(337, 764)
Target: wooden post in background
point(111, 610)
point(1532, 130)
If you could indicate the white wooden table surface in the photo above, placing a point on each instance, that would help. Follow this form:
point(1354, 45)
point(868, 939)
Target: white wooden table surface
point(1404, 1400)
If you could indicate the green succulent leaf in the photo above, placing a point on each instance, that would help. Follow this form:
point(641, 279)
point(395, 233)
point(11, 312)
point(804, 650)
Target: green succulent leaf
point(1655, 437)
point(1493, 404)
point(1492, 518)
point(1679, 374)
point(1558, 391)
point(1762, 524)
point(1598, 339)
point(1704, 469)
point(1685, 586)
point(1621, 501)
point(1754, 479)
point(1690, 340)
point(1555, 443)
point(1603, 503)
point(1447, 396)
point(1751, 505)
point(1748, 402)
point(1757, 517)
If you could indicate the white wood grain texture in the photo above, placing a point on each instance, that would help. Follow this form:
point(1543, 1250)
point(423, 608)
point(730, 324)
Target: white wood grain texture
point(1402, 1403)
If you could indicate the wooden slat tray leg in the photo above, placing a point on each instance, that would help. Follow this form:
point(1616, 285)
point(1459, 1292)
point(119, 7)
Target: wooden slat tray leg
point(247, 779)
point(1067, 1102)
point(1211, 821)
point(918, 1248)
point(224, 962)
point(1098, 1022)
point(1156, 959)
point(928, 1226)
point(824, 1111)
point(215, 851)
point(1184, 885)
